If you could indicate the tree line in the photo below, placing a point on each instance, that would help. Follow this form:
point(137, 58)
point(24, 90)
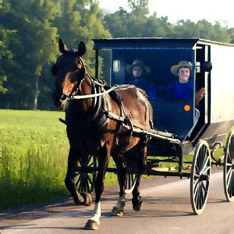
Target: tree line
point(30, 29)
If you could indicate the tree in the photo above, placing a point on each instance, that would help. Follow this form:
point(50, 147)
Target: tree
point(82, 21)
point(201, 29)
point(5, 52)
point(33, 46)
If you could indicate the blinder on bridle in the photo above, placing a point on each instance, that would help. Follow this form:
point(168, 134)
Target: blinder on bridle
point(80, 72)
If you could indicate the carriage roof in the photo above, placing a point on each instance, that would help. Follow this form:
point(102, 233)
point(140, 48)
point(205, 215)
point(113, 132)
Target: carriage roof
point(152, 42)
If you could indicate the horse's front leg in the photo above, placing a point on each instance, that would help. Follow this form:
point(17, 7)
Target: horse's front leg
point(118, 209)
point(103, 159)
point(73, 158)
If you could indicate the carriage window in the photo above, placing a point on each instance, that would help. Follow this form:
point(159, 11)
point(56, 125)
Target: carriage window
point(198, 67)
point(116, 66)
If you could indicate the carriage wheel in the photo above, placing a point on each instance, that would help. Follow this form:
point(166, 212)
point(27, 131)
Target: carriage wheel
point(130, 183)
point(200, 177)
point(86, 175)
point(228, 168)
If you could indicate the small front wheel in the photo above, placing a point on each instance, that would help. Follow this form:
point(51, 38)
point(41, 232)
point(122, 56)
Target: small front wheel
point(86, 174)
point(228, 168)
point(200, 177)
point(130, 183)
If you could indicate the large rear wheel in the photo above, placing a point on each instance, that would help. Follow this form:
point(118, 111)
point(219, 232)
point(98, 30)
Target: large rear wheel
point(200, 177)
point(228, 168)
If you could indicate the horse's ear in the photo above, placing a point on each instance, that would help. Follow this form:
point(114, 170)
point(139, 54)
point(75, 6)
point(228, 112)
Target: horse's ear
point(62, 47)
point(81, 48)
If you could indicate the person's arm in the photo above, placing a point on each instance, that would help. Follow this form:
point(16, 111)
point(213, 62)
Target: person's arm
point(199, 95)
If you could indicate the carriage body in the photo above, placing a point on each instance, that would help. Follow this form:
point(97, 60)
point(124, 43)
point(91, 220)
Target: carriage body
point(211, 69)
point(212, 64)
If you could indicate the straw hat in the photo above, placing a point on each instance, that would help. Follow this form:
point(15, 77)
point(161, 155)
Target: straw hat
point(175, 68)
point(138, 62)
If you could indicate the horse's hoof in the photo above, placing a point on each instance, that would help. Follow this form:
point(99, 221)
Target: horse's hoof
point(92, 225)
point(137, 203)
point(117, 212)
point(87, 199)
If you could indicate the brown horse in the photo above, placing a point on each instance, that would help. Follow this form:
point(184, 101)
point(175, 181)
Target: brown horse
point(99, 122)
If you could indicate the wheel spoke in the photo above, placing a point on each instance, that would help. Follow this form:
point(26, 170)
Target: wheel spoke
point(206, 166)
point(198, 197)
point(229, 177)
point(196, 187)
point(205, 189)
point(229, 159)
point(229, 164)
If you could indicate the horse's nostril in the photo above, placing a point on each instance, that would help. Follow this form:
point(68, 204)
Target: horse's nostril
point(63, 97)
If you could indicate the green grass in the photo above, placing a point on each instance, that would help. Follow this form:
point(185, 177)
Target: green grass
point(33, 157)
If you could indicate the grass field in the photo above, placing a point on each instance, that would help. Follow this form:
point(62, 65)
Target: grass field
point(33, 157)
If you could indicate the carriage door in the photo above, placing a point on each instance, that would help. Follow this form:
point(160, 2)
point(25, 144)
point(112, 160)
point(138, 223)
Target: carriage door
point(202, 77)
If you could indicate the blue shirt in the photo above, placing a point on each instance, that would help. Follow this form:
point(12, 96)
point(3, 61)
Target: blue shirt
point(179, 90)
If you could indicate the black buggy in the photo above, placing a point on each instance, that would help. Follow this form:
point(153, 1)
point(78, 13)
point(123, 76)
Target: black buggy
point(171, 138)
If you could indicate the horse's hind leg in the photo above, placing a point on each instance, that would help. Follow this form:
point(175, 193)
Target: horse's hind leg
point(121, 170)
point(141, 163)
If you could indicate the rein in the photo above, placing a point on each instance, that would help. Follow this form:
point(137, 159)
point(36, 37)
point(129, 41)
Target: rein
point(77, 97)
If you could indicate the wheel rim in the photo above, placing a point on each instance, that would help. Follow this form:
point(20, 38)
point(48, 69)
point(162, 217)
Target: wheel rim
point(86, 177)
point(130, 183)
point(200, 176)
point(229, 168)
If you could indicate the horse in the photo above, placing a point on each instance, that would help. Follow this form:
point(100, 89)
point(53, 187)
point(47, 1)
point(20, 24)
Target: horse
point(100, 121)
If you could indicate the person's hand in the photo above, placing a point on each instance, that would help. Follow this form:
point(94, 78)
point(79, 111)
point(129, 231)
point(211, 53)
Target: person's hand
point(201, 94)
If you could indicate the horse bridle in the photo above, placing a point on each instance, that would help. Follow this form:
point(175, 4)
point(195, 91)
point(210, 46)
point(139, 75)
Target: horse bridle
point(97, 85)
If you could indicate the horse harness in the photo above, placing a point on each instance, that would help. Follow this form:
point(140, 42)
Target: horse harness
point(100, 113)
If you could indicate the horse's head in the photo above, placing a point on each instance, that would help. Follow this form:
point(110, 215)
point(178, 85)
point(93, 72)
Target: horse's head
point(69, 64)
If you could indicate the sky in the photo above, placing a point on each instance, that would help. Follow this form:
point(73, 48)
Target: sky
point(210, 10)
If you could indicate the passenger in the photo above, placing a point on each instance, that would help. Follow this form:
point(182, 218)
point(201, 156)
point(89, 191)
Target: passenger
point(139, 77)
point(183, 87)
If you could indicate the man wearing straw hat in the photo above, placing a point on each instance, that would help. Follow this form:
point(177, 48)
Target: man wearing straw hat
point(183, 87)
point(138, 76)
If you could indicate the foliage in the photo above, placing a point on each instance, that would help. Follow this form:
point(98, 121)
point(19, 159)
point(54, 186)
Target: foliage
point(32, 46)
point(81, 21)
point(30, 29)
point(202, 29)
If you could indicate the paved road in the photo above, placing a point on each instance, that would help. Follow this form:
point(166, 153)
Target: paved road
point(166, 210)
